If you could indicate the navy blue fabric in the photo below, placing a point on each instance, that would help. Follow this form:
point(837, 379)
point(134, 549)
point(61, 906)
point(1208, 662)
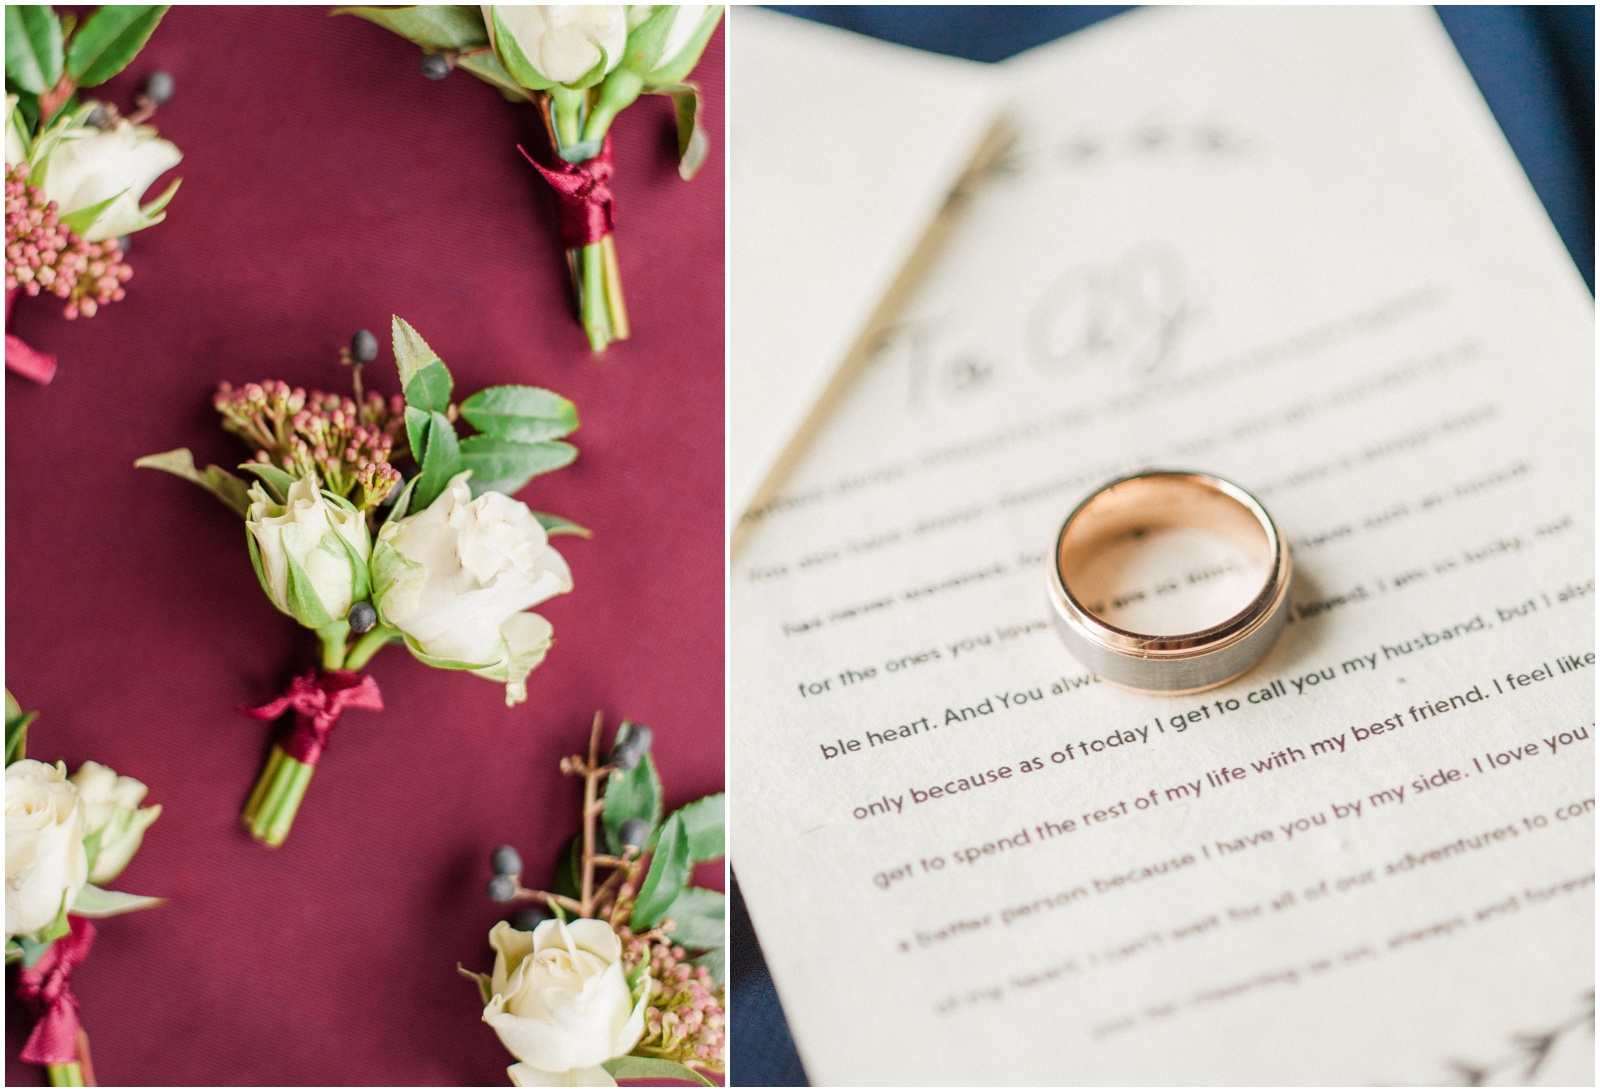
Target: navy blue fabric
point(1535, 67)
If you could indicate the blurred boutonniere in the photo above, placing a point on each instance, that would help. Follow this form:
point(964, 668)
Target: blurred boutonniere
point(437, 556)
point(581, 65)
point(616, 970)
point(76, 170)
point(65, 837)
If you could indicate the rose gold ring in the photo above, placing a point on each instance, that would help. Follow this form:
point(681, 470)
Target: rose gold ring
point(1176, 663)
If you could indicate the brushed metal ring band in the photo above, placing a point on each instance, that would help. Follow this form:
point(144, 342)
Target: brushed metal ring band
point(1180, 663)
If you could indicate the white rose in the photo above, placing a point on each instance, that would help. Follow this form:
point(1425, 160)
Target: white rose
point(561, 1002)
point(543, 45)
point(113, 822)
point(660, 33)
point(16, 147)
point(457, 577)
point(46, 865)
point(91, 165)
point(310, 553)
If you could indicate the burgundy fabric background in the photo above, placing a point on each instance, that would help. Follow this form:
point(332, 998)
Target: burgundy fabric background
point(326, 186)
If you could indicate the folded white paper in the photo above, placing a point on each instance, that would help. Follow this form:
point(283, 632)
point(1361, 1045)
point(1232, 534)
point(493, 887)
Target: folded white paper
point(844, 150)
point(1284, 245)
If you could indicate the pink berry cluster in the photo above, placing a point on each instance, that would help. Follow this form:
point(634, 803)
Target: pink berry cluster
point(349, 446)
point(43, 254)
point(686, 1017)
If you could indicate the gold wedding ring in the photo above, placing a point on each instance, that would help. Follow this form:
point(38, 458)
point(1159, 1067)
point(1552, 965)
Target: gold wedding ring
point(1178, 663)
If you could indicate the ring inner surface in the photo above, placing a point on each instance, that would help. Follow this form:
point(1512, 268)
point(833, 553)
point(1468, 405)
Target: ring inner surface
point(1164, 556)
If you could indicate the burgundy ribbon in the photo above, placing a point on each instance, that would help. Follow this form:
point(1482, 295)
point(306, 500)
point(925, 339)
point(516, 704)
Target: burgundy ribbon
point(23, 358)
point(47, 986)
point(318, 698)
point(585, 195)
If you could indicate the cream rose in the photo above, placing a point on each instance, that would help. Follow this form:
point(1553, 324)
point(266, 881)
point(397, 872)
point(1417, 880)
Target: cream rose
point(311, 553)
point(46, 865)
point(113, 822)
point(91, 165)
point(457, 578)
point(543, 45)
point(561, 1003)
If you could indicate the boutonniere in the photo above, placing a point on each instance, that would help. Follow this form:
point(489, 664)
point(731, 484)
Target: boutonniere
point(580, 65)
point(373, 521)
point(76, 170)
point(65, 837)
point(616, 968)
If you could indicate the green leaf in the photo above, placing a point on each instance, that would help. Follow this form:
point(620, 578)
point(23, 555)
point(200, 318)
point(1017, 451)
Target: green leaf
point(703, 821)
point(437, 28)
point(442, 462)
point(411, 353)
point(505, 466)
point(304, 602)
point(635, 794)
point(33, 47)
point(487, 67)
point(669, 872)
point(417, 433)
point(555, 525)
point(514, 60)
point(224, 486)
point(569, 870)
point(16, 729)
point(97, 902)
point(82, 219)
point(699, 918)
point(32, 950)
point(524, 414)
point(715, 961)
point(108, 40)
point(429, 390)
point(276, 479)
point(693, 143)
point(653, 1069)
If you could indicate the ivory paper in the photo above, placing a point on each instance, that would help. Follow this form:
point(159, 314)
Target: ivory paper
point(1286, 246)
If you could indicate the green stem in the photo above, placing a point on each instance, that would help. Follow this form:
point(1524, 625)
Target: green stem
point(567, 106)
point(65, 1075)
point(277, 796)
point(364, 649)
point(258, 795)
point(617, 93)
point(333, 638)
point(592, 293)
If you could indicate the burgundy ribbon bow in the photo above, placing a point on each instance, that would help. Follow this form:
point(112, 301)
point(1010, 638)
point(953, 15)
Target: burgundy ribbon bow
point(23, 358)
point(585, 195)
point(318, 698)
point(47, 987)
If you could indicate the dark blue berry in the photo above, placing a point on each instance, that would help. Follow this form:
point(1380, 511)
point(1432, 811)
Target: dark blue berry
point(159, 87)
point(435, 66)
point(624, 756)
point(363, 347)
point(528, 918)
point(362, 617)
point(505, 862)
point(640, 738)
point(502, 889)
point(98, 116)
point(635, 832)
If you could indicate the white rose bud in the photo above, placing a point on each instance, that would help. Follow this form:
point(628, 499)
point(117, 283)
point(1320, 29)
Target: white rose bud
point(310, 553)
point(113, 822)
point(561, 1002)
point(91, 165)
point(16, 147)
point(457, 577)
point(665, 40)
point(46, 865)
point(546, 45)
